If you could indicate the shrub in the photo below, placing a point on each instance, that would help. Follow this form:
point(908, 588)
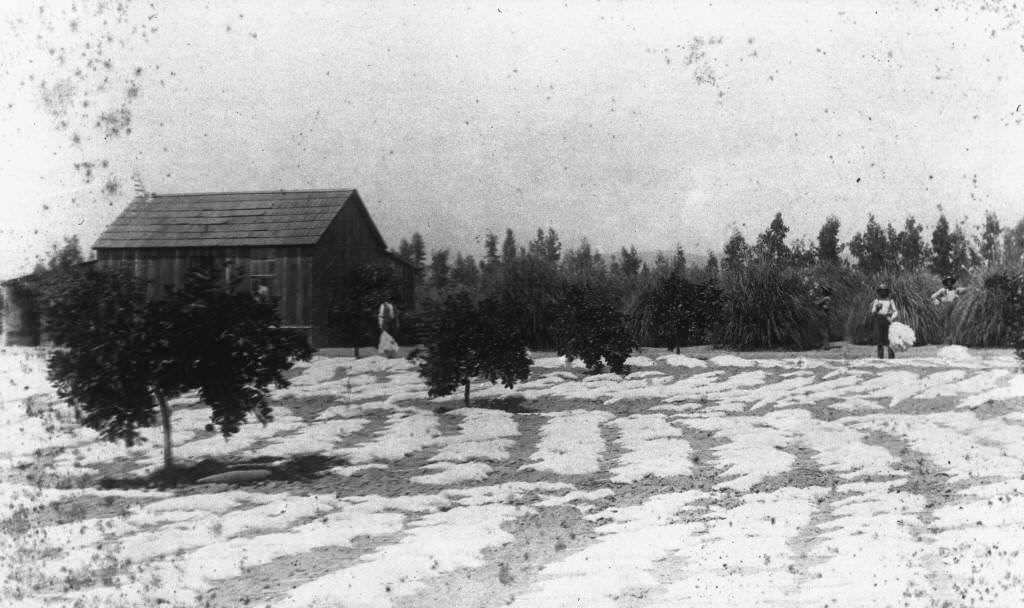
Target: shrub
point(121, 359)
point(985, 314)
point(467, 341)
point(678, 312)
point(590, 328)
point(911, 291)
point(769, 305)
point(846, 285)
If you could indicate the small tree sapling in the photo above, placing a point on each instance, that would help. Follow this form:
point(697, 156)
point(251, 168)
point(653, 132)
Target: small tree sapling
point(592, 330)
point(467, 341)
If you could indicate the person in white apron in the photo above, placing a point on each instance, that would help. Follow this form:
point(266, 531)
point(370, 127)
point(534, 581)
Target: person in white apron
point(387, 320)
point(883, 313)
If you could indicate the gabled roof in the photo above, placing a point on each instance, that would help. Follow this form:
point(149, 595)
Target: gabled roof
point(227, 219)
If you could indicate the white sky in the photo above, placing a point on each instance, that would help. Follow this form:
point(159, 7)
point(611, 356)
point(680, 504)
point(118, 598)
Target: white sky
point(454, 119)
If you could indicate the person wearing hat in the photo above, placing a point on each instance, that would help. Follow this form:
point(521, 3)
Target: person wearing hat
point(883, 312)
point(948, 292)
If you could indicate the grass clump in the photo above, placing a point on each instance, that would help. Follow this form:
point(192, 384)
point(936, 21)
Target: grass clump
point(769, 305)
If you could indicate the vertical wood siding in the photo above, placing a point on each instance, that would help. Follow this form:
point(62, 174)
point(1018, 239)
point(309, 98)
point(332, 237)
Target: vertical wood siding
point(167, 266)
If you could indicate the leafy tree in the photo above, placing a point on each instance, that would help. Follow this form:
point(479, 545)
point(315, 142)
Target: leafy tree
point(468, 341)
point(989, 245)
point(829, 247)
point(736, 252)
point(591, 329)
point(352, 315)
point(870, 248)
point(771, 243)
point(122, 359)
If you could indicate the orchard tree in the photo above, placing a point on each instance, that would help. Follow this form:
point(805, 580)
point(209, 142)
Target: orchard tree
point(468, 341)
point(120, 359)
point(591, 329)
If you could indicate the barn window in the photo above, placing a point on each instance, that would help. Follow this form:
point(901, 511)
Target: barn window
point(261, 276)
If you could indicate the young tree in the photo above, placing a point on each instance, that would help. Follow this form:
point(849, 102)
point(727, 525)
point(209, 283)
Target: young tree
point(122, 359)
point(468, 341)
point(829, 247)
point(591, 329)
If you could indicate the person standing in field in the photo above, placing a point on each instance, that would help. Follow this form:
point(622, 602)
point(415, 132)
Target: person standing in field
point(948, 293)
point(883, 313)
point(387, 320)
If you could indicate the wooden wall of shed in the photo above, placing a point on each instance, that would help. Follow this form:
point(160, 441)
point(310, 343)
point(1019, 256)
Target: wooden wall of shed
point(162, 267)
point(350, 241)
point(20, 316)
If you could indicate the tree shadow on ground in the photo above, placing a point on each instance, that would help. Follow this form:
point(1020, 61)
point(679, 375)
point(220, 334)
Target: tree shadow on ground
point(298, 468)
point(512, 404)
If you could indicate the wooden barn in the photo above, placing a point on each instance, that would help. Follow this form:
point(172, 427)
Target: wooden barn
point(294, 245)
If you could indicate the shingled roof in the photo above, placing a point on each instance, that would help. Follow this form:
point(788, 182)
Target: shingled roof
point(226, 219)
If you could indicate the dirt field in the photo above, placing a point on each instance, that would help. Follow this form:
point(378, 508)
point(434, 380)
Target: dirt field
point(702, 479)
